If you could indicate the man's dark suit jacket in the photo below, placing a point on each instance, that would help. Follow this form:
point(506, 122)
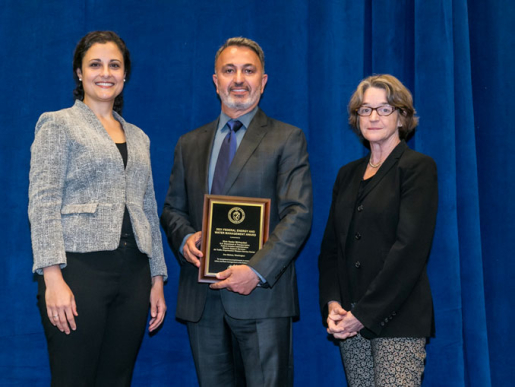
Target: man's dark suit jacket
point(394, 221)
point(271, 162)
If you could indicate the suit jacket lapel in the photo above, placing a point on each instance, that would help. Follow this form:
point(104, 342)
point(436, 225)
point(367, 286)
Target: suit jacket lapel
point(205, 141)
point(351, 196)
point(255, 133)
point(390, 161)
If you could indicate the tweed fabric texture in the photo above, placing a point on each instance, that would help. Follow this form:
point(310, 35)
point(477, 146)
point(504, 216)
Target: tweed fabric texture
point(79, 188)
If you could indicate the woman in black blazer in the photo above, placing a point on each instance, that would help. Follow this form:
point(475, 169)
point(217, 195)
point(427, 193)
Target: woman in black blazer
point(374, 289)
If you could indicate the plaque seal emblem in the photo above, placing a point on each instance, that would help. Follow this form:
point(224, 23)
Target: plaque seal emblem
point(236, 215)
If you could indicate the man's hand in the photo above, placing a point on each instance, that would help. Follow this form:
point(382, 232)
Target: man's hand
point(191, 251)
point(239, 279)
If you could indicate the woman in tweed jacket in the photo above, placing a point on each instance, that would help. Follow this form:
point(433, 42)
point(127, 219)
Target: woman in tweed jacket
point(94, 225)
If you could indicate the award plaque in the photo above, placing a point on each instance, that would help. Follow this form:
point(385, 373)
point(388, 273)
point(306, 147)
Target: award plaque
point(233, 229)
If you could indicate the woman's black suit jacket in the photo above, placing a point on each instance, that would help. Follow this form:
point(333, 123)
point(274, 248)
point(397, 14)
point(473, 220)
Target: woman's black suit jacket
point(394, 221)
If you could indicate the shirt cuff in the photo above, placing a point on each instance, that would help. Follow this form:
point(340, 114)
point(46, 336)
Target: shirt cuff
point(261, 278)
point(183, 243)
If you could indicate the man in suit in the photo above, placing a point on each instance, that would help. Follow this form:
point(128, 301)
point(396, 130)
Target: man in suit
point(249, 312)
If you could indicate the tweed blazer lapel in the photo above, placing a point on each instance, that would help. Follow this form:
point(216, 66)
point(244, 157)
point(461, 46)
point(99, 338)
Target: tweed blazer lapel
point(132, 145)
point(99, 131)
point(255, 133)
point(93, 121)
point(390, 161)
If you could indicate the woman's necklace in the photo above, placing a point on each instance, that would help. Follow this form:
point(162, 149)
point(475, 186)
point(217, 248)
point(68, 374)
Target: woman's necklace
point(374, 165)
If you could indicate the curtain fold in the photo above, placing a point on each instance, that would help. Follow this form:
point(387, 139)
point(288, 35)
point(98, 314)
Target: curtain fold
point(477, 362)
point(492, 53)
point(435, 97)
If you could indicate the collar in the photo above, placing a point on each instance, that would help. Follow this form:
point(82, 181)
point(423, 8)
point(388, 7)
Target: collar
point(88, 112)
point(244, 119)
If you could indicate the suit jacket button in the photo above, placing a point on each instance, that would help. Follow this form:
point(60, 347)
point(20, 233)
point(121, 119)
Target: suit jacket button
point(382, 324)
point(357, 236)
point(360, 208)
point(357, 264)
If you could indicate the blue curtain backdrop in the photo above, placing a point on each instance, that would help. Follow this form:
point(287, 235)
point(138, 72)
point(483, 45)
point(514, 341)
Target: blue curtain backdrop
point(455, 56)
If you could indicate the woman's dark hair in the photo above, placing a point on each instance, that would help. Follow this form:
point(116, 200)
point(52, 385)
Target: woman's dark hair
point(80, 51)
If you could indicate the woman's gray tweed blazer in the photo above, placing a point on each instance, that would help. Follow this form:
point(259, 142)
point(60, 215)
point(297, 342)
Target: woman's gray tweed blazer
point(79, 188)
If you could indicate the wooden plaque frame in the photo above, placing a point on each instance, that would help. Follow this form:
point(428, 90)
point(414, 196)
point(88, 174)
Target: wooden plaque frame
point(233, 229)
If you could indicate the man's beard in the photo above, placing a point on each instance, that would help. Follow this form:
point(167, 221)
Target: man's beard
point(237, 103)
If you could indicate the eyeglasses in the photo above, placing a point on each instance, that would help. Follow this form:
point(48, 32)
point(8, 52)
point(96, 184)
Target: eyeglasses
point(385, 110)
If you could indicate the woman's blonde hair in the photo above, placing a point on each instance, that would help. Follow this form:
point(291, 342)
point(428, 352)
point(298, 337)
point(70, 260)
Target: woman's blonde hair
point(397, 95)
